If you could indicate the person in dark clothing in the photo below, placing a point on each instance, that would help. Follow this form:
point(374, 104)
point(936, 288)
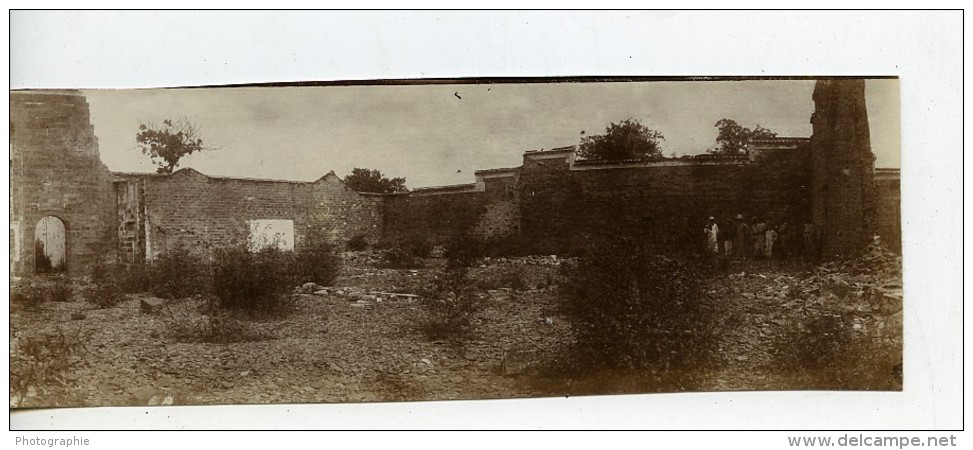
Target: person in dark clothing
point(728, 234)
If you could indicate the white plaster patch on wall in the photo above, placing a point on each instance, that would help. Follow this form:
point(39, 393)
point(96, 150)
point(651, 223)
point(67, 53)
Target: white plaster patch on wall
point(271, 233)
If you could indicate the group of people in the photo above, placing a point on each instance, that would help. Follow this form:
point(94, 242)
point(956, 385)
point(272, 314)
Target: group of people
point(758, 239)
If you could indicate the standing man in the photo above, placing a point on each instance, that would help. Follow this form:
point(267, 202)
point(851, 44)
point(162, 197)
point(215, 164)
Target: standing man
point(758, 237)
point(742, 245)
point(771, 237)
point(728, 235)
point(712, 234)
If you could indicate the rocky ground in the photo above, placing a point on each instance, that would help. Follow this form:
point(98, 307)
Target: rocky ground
point(354, 342)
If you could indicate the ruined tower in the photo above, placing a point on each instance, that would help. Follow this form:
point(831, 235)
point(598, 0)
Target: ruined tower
point(62, 206)
point(843, 189)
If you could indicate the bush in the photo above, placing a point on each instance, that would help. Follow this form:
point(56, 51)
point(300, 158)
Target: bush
point(463, 251)
point(178, 273)
point(30, 295)
point(134, 278)
point(357, 243)
point(450, 304)
point(417, 246)
point(253, 282)
point(105, 290)
point(315, 261)
point(61, 289)
point(633, 310)
point(41, 360)
point(27, 296)
point(190, 321)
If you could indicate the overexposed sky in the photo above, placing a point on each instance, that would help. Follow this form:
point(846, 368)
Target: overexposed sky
point(439, 134)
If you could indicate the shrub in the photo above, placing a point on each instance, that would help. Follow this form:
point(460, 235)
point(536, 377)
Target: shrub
point(450, 304)
point(105, 290)
point(42, 359)
point(357, 243)
point(178, 273)
point(134, 278)
point(225, 327)
point(417, 246)
point(463, 251)
point(190, 321)
point(28, 296)
point(633, 310)
point(31, 294)
point(315, 261)
point(253, 282)
point(61, 289)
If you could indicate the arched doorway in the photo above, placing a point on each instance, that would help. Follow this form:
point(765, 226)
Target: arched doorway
point(49, 245)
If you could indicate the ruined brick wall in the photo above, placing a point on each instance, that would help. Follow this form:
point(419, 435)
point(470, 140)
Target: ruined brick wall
point(341, 214)
point(56, 170)
point(843, 189)
point(888, 208)
point(487, 210)
point(436, 218)
point(668, 201)
point(191, 209)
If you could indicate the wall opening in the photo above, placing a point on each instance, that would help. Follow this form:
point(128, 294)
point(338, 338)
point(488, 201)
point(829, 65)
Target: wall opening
point(271, 233)
point(49, 246)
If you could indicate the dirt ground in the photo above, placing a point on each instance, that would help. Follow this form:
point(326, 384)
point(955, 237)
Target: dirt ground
point(346, 347)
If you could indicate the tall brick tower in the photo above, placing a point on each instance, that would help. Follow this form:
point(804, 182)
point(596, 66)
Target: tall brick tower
point(843, 189)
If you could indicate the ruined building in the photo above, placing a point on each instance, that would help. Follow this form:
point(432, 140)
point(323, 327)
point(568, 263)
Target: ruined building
point(64, 197)
point(60, 192)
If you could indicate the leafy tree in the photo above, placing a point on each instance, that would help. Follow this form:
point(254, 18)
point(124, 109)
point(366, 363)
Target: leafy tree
point(167, 144)
point(365, 180)
point(628, 139)
point(734, 139)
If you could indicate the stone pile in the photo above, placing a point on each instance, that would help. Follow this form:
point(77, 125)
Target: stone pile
point(357, 294)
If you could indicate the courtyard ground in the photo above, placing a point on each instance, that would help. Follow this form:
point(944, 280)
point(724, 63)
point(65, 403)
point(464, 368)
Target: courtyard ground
point(356, 343)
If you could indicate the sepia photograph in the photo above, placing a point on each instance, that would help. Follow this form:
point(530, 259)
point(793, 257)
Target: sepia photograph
point(721, 227)
point(454, 239)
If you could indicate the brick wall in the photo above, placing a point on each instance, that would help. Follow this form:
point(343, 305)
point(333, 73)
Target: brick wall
point(436, 218)
point(55, 170)
point(341, 214)
point(188, 208)
point(668, 201)
point(888, 208)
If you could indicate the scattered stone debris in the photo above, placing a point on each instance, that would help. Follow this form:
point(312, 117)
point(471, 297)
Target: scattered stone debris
point(150, 305)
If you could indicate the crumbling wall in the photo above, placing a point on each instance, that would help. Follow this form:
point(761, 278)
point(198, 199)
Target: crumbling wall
point(667, 201)
point(191, 209)
point(888, 208)
point(340, 214)
point(843, 189)
point(55, 170)
point(435, 218)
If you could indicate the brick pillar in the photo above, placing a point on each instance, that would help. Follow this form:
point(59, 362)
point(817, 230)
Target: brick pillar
point(843, 190)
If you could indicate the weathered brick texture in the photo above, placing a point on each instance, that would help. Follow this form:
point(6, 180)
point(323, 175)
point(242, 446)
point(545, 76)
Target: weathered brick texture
point(191, 209)
point(843, 190)
point(55, 170)
point(888, 209)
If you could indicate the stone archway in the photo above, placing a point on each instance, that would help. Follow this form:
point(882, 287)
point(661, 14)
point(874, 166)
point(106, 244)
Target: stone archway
point(50, 249)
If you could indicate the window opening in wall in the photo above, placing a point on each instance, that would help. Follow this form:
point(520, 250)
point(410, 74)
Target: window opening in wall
point(49, 246)
point(271, 233)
